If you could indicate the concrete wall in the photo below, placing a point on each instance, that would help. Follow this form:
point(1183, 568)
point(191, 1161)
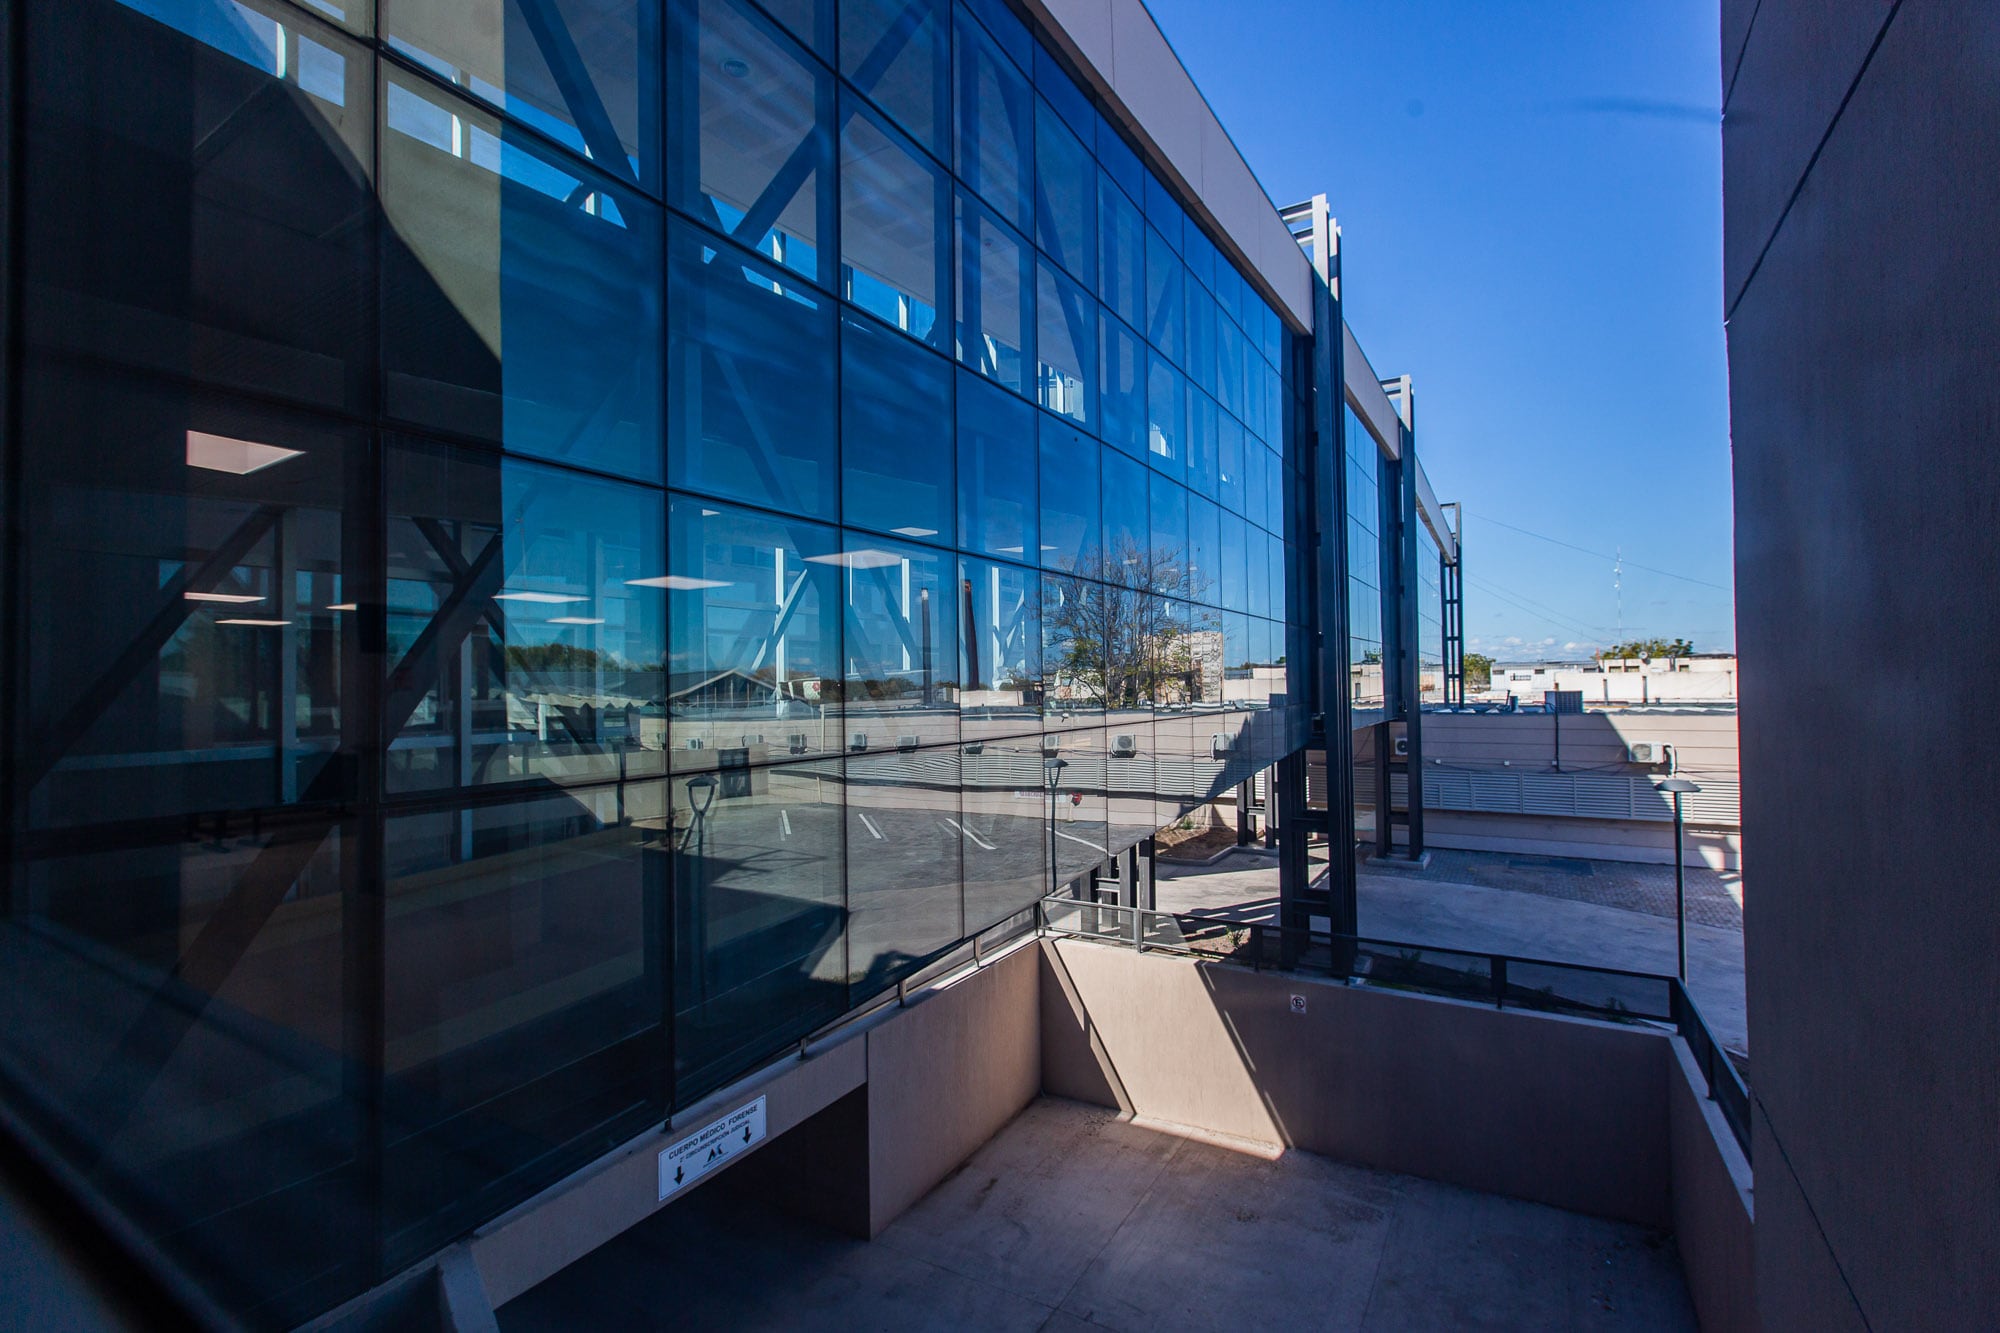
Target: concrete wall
point(1712, 1200)
point(1862, 287)
point(1560, 1111)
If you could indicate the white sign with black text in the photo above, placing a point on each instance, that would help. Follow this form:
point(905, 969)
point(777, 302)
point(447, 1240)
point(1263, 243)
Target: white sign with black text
point(709, 1147)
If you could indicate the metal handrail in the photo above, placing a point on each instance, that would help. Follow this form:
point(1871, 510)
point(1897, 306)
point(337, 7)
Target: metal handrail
point(1399, 964)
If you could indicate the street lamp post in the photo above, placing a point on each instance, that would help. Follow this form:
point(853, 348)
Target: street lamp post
point(1052, 768)
point(1678, 787)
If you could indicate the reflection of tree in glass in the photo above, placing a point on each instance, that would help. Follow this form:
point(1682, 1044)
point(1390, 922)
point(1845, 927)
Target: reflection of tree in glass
point(1124, 640)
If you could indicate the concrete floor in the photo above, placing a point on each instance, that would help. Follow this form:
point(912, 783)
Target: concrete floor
point(1071, 1219)
point(1422, 909)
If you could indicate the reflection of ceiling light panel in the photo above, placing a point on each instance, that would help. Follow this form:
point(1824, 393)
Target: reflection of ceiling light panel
point(677, 583)
point(233, 598)
point(576, 620)
point(545, 598)
point(266, 623)
point(914, 532)
point(344, 606)
point(219, 453)
point(710, 513)
point(865, 559)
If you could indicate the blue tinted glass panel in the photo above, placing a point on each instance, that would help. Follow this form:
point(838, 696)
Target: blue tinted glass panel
point(896, 53)
point(1006, 27)
point(1166, 428)
point(1204, 444)
point(895, 434)
point(1055, 84)
point(904, 905)
point(996, 127)
point(1164, 211)
point(1230, 463)
point(751, 380)
point(1204, 549)
point(895, 209)
point(1072, 517)
point(1235, 562)
point(1166, 283)
point(1121, 253)
point(1125, 509)
point(997, 465)
point(1168, 522)
point(752, 157)
point(1122, 400)
point(520, 293)
point(1201, 337)
point(754, 609)
point(1116, 157)
point(1229, 367)
point(900, 646)
point(1065, 347)
point(996, 298)
point(811, 21)
point(1065, 197)
point(1000, 654)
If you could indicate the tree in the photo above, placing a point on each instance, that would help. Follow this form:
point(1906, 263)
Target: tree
point(1478, 671)
point(1123, 642)
point(1647, 649)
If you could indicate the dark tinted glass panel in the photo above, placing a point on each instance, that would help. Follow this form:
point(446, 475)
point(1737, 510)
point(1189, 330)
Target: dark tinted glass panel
point(1065, 197)
point(1121, 253)
point(997, 512)
point(1166, 421)
point(901, 645)
point(1235, 562)
point(1065, 347)
point(1164, 211)
point(895, 208)
point(1199, 252)
point(584, 72)
point(752, 143)
point(1125, 502)
point(811, 21)
point(1000, 649)
point(1122, 399)
point(1166, 281)
point(520, 292)
point(185, 572)
point(996, 127)
point(751, 380)
point(754, 607)
point(522, 996)
point(1003, 809)
point(160, 237)
point(895, 54)
point(1072, 517)
point(996, 298)
point(903, 849)
point(1229, 367)
point(895, 434)
point(524, 627)
point(760, 947)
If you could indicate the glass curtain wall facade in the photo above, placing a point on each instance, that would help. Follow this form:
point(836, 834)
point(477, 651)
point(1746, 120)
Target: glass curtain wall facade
point(1366, 522)
point(554, 543)
point(1430, 618)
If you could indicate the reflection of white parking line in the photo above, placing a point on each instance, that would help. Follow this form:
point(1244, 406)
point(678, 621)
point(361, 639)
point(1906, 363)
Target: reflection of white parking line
point(1081, 842)
point(870, 824)
point(785, 818)
point(970, 834)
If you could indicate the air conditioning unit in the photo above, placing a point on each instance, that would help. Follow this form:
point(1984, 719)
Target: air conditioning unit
point(1646, 752)
point(1124, 747)
point(907, 743)
point(751, 738)
point(1220, 745)
point(1051, 744)
point(694, 743)
point(796, 742)
point(975, 747)
point(858, 741)
point(1401, 747)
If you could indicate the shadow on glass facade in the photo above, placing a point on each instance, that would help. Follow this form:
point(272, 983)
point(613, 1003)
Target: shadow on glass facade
point(556, 540)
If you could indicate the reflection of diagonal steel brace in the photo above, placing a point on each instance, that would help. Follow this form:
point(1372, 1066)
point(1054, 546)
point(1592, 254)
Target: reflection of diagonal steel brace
point(565, 62)
point(43, 752)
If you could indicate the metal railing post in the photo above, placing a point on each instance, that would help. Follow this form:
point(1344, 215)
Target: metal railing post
point(1498, 967)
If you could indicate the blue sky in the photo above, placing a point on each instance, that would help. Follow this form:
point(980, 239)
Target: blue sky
point(1530, 200)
